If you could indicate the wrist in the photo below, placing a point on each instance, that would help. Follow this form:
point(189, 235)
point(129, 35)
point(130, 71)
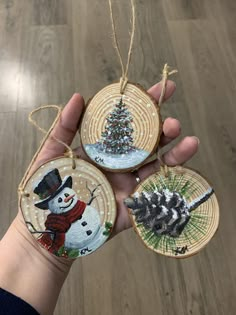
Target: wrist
point(29, 271)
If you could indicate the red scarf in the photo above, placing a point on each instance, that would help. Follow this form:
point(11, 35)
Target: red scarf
point(59, 224)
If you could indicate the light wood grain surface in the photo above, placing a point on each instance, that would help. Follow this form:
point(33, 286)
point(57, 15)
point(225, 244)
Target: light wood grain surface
point(51, 48)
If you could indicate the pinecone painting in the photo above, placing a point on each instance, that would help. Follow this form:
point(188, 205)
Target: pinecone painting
point(176, 214)
point(164, 212)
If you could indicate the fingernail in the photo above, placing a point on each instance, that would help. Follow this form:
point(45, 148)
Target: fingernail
point(196, 139)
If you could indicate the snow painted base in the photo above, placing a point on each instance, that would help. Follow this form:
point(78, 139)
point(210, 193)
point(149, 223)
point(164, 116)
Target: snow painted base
point(116, 161)
point(98, 240)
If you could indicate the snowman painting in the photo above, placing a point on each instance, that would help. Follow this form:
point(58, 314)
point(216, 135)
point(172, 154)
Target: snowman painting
point(72, 224)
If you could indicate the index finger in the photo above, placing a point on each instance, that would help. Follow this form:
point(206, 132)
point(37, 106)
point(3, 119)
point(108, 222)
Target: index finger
point(64, 130)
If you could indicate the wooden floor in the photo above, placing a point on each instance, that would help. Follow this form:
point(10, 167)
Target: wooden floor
point(51, 48)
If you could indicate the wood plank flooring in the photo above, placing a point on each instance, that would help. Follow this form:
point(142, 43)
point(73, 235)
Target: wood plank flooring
point(50, 49)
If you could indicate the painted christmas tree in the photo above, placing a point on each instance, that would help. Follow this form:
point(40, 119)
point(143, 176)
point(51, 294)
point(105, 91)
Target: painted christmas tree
point(117, 137)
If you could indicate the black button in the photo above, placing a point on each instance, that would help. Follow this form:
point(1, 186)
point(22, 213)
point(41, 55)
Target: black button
point(89, 232)
point(84, 223)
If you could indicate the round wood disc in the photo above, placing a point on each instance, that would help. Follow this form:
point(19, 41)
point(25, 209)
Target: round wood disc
point(69, 211)
point(175, 215)
point(119, 132)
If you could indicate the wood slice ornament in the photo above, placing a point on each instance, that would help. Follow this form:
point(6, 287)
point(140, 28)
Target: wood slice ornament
point(121, 126)
point(120, 131)
point(68, 204)
point(70, 212)
point(175, 213)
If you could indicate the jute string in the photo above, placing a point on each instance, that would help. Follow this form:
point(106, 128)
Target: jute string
point(69, 153)
point(124, 69)
point(165, 74)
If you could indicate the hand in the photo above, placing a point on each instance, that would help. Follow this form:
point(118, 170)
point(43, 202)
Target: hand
point(42, 272)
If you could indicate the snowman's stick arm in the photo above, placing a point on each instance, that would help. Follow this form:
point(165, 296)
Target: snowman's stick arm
point(36, 231)
point(42, 232)
point(92, 196)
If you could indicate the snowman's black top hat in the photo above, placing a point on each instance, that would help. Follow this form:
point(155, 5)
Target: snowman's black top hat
point(50, 186)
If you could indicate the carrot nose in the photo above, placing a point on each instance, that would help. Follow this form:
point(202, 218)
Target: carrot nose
point(68, 198)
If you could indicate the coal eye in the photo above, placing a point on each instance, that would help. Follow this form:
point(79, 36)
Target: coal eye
point(59, 200)
point(66, 195)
